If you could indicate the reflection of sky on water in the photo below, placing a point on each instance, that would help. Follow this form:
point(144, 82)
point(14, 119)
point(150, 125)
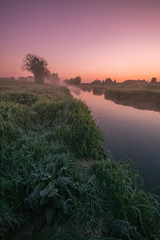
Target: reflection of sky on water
point(129, 132)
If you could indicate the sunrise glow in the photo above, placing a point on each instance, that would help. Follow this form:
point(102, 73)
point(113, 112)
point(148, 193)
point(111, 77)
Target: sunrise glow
point(90, 38)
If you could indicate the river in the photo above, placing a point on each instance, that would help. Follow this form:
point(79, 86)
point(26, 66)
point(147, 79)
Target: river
point(129, 133)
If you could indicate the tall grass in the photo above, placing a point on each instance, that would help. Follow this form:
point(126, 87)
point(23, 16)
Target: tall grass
point(32, 135)
point(73, 124)
point(113, 204)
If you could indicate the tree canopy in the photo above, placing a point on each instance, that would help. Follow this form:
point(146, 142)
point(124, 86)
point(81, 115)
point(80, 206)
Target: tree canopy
point(154, 80)
point(73, 81)
point(36, 65)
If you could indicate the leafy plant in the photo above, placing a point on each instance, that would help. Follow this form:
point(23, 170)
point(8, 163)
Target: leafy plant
point(52, 189)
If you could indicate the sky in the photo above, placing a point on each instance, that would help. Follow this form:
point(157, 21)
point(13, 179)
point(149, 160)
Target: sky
point(94, 39)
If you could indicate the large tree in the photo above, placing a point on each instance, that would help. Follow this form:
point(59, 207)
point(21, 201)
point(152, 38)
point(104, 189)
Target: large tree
point(36, 65)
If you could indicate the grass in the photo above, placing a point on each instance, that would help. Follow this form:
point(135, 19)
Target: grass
point(45, 192)
point(113, 204)
point(123, 87)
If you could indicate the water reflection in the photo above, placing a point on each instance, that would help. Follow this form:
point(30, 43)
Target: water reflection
point(141, 99)
point(129, 133)
point(97, 91)
point(75, 90)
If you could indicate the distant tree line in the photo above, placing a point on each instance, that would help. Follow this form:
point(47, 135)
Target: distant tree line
point(73, 81)
point(7, 79)
point(109, 81)
point(26, 79)
point(135, 82)
point(53, 78)
point(154, 80)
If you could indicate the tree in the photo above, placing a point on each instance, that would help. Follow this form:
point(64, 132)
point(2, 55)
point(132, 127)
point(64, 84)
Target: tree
point(77, 80)
point(36, 65)
point(53, 78)
point(108, 81)
point(154, 80)
point(97, 81)
point(73, 81)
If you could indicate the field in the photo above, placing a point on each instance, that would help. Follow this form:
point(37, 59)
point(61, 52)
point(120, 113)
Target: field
point(56, 181)
point(123, 87)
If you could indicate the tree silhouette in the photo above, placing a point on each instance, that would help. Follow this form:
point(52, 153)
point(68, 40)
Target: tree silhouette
point(73, 81)
point(36, 65)
point(154, 80)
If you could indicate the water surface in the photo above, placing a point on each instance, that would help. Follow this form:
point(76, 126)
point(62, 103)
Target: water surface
point(128, 133)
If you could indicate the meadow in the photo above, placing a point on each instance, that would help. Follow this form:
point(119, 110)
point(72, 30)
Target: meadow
point(56, 181)
point(155, 87)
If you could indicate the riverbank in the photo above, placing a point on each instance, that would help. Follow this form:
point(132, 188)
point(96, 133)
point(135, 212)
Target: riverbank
point(140, 96)
point(56, 183)
point(122, 86)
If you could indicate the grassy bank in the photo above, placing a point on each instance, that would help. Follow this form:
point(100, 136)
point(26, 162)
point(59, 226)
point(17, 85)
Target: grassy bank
point(141, 99)
point(120, 86)
point(140, 96)
point(56, 182)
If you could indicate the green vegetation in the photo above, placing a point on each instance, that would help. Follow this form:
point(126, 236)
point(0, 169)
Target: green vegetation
point(56, 182)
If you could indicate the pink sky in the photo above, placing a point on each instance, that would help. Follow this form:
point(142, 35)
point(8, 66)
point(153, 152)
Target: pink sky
point(90, 38)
